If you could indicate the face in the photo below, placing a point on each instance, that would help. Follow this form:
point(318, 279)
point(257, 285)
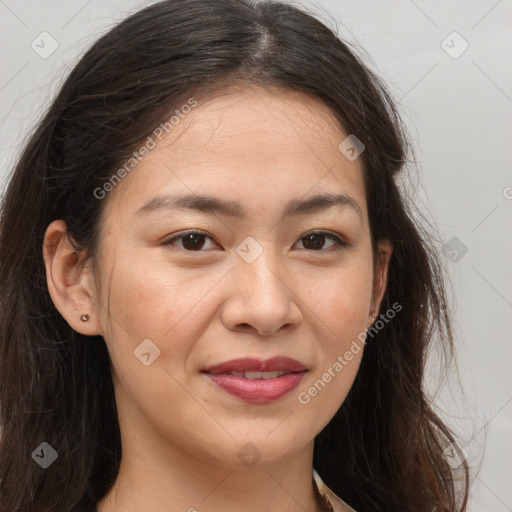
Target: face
point(268, 270)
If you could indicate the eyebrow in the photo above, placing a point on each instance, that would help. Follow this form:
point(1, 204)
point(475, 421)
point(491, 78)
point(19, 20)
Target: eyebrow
point(213, 205)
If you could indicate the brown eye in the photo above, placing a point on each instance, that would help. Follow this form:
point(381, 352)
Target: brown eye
point(315, 241)
point(191, 241)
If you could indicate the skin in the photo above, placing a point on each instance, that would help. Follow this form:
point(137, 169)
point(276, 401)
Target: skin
point(180, 432)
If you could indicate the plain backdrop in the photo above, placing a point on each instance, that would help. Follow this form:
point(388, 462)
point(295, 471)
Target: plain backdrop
point(447, 65)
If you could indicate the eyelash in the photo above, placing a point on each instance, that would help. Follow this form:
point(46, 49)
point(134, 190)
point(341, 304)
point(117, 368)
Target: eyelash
point(339, 243)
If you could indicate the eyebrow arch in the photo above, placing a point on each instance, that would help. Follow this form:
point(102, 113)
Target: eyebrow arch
point(213, 205)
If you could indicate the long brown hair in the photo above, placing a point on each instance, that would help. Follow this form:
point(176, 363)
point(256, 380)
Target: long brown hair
point(382, 451)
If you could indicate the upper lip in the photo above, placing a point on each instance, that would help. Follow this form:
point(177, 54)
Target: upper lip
point(248, 364)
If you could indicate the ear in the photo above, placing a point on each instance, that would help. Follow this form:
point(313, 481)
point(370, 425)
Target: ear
point(380, 276)
point(71, 284)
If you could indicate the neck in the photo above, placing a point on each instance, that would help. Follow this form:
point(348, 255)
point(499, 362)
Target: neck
point(164, 486)
point(160, 476)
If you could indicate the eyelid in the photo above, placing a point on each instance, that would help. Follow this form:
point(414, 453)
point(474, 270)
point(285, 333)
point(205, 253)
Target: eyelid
point(340, 242)
point(182, 234)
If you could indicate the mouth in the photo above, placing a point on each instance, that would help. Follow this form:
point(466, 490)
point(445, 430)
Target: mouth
point(257, 381)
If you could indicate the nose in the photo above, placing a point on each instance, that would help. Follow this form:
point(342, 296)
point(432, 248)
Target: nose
point(262, 298)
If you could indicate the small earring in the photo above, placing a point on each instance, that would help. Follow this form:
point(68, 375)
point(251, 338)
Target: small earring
point(85, 317)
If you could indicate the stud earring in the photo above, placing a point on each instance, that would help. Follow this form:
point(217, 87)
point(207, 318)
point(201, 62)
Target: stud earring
point(85, 317)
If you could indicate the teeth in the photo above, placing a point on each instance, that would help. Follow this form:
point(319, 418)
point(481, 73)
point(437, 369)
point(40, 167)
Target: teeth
point(259, 375)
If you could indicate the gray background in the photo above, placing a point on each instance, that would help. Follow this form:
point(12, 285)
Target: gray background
point(458, 110)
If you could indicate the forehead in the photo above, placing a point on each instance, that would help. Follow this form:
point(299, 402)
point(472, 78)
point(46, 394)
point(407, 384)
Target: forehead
point(257, 144)
point(268, 122)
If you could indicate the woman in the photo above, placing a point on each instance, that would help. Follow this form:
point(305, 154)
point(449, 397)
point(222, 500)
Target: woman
point(213, 292)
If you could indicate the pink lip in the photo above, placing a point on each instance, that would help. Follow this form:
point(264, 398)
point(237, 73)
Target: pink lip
point(257, 390)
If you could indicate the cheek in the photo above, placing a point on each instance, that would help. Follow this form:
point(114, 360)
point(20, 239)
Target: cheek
point(343, 310)
point(169, 308)
point(156, 304)
point(343, 300)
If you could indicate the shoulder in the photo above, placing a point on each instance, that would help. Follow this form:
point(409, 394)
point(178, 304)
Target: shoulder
point(337, 504)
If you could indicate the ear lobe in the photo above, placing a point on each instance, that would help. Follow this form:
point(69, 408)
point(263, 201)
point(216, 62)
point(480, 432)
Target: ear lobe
point(380, 276)
point(69, 282)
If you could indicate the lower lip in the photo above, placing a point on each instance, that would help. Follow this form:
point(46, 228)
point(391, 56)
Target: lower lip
point(257, 390)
